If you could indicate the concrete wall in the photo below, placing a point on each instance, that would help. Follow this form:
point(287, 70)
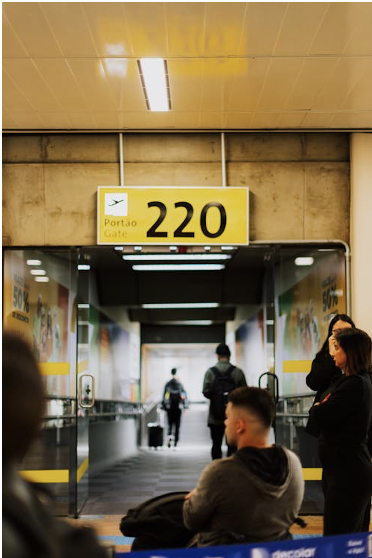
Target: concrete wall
point(299, 182)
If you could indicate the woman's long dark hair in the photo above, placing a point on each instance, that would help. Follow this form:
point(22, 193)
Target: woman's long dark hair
point(358, 348)
point(336, 318)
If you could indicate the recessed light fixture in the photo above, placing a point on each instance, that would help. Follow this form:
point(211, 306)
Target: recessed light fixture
point(178, 267)
point(137, 248)
point(37, 272)
point(83, 267)
point(304, 261)
point(188, 322)
point(227, 248)
point(177, 305)
point(154, 78)
point(83, 306)
point(119, 248)
point(33, 262)
point(175, 257)
point(40, 279)
point(173, 248)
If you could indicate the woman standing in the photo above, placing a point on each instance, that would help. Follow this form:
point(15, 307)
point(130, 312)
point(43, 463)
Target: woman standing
point(343, 417)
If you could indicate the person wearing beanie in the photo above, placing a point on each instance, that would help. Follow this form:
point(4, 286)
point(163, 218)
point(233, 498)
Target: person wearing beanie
point(219, 381)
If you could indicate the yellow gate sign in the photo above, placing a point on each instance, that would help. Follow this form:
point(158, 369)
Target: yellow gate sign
point(192, 216)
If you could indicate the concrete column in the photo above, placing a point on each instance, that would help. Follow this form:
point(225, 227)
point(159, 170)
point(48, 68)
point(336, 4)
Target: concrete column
point(361, 230)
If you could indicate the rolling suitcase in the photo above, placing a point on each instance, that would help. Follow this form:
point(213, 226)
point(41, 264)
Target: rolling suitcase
point(156, 435)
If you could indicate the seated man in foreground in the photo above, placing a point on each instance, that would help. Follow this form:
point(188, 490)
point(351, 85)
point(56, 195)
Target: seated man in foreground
point(254, 495)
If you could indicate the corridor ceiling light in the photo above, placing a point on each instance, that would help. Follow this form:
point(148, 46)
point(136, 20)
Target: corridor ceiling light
point(137, 248)
point(33, 262)
point(227, 247)
point(83, 305)
point(188, 322)
point(42, 279)
point(178, 267)
point(119, 248)
point(83, 267)
point(173, 248)
point(175, 257)
point(37, 271)
point(168, 305)
point(154, 78)
point(304, 261)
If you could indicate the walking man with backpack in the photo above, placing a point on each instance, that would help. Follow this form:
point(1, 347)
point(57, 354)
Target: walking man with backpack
point(219, 381)
point(174, 399)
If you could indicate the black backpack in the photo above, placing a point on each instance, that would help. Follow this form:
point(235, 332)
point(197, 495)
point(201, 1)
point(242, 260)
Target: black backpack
point(157, 523)
point(173, 397)
point(223, 385)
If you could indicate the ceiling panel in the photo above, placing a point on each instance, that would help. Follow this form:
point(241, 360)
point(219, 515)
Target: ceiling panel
point(108, 27)
point(223, 40)
point(59, 78)
point(185, 28)
point(28, 79)
point(249, 79)
point(147, 28)
point(231, 64)
point(12, 46)
point(279, 82)
point(309, 82)
point(31, 28)
point(262, 25)
point(301, 22)
point(70, 28)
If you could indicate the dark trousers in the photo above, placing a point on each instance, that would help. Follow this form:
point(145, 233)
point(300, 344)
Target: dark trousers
point(217, 433)
point(174, 423)
point(347, 496)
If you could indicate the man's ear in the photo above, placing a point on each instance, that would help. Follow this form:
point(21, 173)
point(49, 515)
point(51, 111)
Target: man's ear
point(240, 426)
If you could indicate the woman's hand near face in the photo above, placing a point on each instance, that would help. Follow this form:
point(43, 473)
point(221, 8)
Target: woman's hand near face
point(331, 345)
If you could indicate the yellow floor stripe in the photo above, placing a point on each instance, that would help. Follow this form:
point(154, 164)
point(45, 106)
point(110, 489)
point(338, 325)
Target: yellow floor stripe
point(82, 469)
point(297, 366)
point(54, 368)
point(83, 365)
point(312, 474)
point(46, 475)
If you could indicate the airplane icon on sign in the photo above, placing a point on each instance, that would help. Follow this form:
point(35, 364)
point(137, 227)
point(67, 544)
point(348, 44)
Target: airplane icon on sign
point(115, 202)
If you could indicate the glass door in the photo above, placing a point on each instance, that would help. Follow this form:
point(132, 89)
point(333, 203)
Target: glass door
point(310, 288)
point(39, 302)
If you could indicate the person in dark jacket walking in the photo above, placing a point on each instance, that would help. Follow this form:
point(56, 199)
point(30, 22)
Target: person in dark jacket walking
point(254, 495)
point(343, 417)
point(323, 368)
point(174, 400)
point(219, 381)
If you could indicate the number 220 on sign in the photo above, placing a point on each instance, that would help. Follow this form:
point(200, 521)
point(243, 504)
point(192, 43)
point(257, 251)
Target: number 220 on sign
point(173, 215)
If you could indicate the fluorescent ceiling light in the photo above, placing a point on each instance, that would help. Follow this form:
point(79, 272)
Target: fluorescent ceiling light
point(37, 271)
point(178, 267)
point(175, 257)
point(188, 322)
point(42, 279)
point(33, 262)
point(83, 305)
point(182, 305)
point(119, 248)
point(153, 75)
point(304, 261)
point(227, 247)
point(83, 267)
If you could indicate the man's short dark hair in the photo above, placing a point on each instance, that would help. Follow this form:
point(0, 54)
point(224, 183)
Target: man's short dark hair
point(257, 401)
point(174, 371)
point(223, 350)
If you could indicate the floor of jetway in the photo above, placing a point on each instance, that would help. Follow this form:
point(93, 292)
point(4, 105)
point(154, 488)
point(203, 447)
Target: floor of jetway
point(152, 472)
